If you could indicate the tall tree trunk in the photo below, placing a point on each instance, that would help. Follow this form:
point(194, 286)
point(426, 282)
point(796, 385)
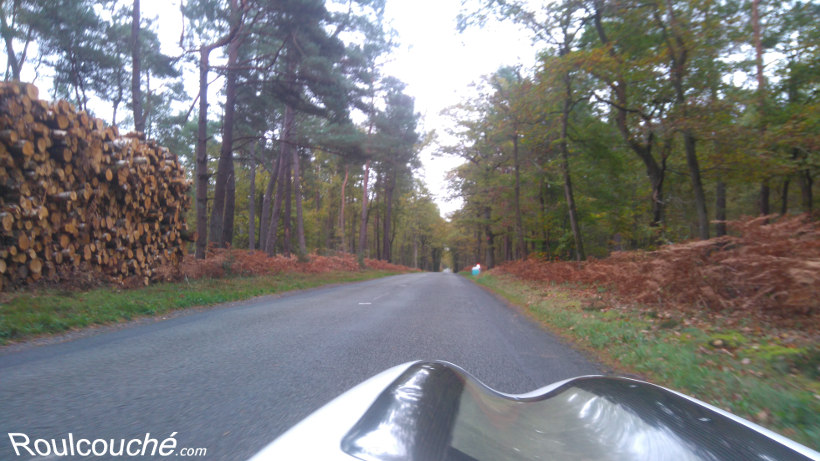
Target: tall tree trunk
point(264, 221)
point(202, 157)
point(761, 96)
point(478, 241)
point(805, 179)
point(389, 186)
point(489, 255)
point(8, 37)
point(377, 239)
point(580, 255)
point(521, 244)
point(287, 127)
point(765, 193)
point(784, 196)
point(300, 223)
point(717, 145)
point(342, 238)
point(720, 209)
point(654, 170)
point(657, 175)
point(352, 242)
point(697, 184)
point(201, 172)
point(230, 206)
point(225, 165)
point(252, 202)
point(363, 225)
point(679, 57)
point(543, 211)
point(287, 221)
point(136, 72)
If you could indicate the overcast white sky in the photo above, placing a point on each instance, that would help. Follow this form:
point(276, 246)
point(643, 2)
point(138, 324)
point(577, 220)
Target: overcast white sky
point(438, 64)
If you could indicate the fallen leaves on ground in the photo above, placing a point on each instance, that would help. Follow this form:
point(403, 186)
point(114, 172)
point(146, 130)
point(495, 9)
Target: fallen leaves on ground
point(221, 262)
point(768, 269)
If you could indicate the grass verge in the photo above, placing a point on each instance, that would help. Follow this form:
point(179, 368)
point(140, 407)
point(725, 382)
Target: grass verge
point(759, 376)
point(27, 315)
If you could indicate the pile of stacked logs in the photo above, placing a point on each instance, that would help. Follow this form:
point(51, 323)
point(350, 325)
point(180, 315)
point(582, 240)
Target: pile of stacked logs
point(75, 197)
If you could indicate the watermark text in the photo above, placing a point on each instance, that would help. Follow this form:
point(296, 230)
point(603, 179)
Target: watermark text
point(71, 446)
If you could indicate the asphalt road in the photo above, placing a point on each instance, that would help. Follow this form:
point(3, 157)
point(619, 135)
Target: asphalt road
point(231, 379)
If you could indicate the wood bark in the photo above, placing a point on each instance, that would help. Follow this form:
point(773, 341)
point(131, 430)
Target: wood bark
point(79, 198)
point(287, 221)
point(342, 239)
point(224, 175)
point(566, 108)
point(202, 175)
point(230, 206)
point(267, 201)
point(580, 255)
point(697, 184)
point(273, 228)
point(761, 97)
point(389, 187)
point(11, 56)
point(784, 196)
point(300, 223)
point(655, 170)
point(377, 226)
point(252, 201)
point(363, 225)
point(201, 170)
point(136, 70)
point(679, 56)
point(765, 193)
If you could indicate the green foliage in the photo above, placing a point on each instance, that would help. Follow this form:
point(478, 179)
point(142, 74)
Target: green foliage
point(420, 238)
point(86, 44)
point(635, 99)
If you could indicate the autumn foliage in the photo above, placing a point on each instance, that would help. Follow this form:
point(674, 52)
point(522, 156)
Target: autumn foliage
point(769, 267)
point(224, 262)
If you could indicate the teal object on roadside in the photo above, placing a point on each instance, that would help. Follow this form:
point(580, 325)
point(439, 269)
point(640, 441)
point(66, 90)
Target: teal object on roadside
point(476, 271)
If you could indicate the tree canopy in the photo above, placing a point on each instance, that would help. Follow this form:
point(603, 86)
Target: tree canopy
point(639, 123)
point(650, 117)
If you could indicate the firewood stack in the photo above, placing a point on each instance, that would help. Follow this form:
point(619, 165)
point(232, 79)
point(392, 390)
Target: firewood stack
point(75, 197)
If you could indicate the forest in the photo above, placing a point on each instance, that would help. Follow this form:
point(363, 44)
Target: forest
point(641, 123)
point(308, 147)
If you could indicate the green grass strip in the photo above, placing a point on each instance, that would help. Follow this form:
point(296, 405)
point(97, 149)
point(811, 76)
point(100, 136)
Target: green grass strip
point(751, 381)
point(51, 311)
